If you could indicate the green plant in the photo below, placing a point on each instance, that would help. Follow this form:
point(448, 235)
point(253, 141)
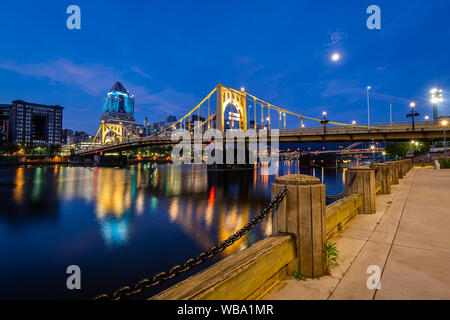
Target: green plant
point(299, 276)
point(444, 163)
point(331, 255)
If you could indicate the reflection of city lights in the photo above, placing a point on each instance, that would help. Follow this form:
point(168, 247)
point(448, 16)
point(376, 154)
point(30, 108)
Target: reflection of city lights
point(19, 182)
point(173, 209)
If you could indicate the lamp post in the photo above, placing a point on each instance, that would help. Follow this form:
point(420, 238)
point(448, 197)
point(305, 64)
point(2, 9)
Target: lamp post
point(412, 114)
point(368, 108)
point(390, 112)
point(324, 121)
point(436, 96)
point(444, 124)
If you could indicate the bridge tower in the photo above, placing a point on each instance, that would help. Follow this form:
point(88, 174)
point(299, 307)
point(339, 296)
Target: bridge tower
point(113, 130)
point(225, 97)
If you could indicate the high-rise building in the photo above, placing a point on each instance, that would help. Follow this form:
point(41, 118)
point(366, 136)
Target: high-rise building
point(118, 106)
point(35, 124)
point(4, 122)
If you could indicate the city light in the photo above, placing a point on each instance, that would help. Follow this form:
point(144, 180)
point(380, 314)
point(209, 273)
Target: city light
point(412, 104)
point(353, 122)
point(436, 95)
point(324, 113)
point(427, 117)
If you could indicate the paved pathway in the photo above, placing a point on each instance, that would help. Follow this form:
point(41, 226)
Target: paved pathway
point(408, 239)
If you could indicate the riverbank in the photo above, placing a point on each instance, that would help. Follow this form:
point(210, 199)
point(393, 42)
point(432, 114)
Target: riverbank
point(407, 239)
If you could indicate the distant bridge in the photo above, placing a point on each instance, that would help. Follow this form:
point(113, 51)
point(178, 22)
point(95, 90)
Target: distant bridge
point(241, 105)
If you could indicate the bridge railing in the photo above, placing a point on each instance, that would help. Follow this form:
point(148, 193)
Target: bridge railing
point(376, 127)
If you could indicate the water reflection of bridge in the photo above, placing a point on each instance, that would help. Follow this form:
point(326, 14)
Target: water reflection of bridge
point(207, 207)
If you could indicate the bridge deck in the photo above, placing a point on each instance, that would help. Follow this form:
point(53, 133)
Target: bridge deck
point(380, 132)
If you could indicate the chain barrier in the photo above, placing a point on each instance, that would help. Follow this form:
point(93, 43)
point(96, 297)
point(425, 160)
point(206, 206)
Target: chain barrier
point(344, 192)
point(147, 283)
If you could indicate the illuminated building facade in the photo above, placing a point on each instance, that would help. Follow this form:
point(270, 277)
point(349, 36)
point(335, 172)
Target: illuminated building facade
point(35, 124)
point(118, 106)
point(4, 120)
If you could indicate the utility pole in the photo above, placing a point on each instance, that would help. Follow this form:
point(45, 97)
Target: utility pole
point(368, 108)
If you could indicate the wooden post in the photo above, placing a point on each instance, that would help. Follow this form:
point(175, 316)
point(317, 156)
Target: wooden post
point(400, 169)
point(303, 214)
point(393, 172)
point(382, 173)
point(410, 164)
point(405, 164)
point(364, 184)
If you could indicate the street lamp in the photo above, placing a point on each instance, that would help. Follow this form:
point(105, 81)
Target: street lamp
point(412, 114)
point(390, 113)
point(444, 124)
point(324, 121)
point(368, 108)
point(436, 96)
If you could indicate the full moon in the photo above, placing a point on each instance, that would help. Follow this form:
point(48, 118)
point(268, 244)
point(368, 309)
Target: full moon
point(335, 57)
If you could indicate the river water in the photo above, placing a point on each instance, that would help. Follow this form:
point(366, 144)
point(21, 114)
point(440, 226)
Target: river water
point(120, 225)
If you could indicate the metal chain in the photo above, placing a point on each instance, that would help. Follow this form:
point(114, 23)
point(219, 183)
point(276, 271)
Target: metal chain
point(344, 192)
point(144, 284)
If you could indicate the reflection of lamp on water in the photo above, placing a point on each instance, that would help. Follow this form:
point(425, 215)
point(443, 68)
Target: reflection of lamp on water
point(115, 231)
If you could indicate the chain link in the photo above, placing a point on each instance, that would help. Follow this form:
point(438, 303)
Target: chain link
point(344, 192)
point(143, 285)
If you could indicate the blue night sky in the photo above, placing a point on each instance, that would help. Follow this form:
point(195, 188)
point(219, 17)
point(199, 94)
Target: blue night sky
point(172, 53)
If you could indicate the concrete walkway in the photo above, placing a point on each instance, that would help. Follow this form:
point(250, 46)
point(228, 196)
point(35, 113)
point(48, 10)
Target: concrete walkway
point(408, 239)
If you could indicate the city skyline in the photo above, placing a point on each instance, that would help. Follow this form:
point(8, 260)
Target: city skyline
point(169, 59)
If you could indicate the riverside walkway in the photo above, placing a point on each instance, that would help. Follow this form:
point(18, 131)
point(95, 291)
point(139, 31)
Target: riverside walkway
point(408, 238)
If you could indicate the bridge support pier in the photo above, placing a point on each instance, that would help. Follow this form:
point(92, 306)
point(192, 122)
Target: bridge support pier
point(303, 214)
point(364, 184)
point(232, 164)
point(382, 173)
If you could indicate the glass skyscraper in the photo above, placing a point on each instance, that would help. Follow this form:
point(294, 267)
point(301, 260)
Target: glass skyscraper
point(118, 105)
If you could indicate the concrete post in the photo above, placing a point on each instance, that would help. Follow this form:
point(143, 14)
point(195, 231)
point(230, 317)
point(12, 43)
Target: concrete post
point(365, 185)
point(382, 173)
point(303, 214)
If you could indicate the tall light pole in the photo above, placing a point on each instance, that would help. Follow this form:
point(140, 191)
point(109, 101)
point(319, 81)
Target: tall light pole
point(368, 108)
point(390, 112)
point(444, 124)
point(436, 96)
